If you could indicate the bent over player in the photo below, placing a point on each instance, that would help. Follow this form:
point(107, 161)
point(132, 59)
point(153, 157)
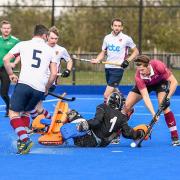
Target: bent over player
point(36, 58)
point(153, 75)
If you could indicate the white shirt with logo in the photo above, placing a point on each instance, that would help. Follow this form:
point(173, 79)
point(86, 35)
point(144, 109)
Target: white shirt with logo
point(36, 57)
point(61, 53)
point(117, 48)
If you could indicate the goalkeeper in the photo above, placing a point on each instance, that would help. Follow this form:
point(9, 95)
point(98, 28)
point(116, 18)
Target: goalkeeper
point(103, 128)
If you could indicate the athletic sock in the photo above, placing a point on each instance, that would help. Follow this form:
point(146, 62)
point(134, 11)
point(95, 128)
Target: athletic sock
point(18, 125)
point(34, 114)
point(26, 119)
point(171, 123)
point(46, 114)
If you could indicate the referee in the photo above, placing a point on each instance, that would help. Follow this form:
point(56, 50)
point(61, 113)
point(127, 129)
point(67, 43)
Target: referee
point(7, 42)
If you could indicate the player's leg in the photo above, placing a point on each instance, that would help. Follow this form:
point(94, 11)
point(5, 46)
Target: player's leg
point(170, 121)
point(133, 97)
point(113, 78)
point(26, 119)
point(39, 109)
point(5, 83)
point(23, 94)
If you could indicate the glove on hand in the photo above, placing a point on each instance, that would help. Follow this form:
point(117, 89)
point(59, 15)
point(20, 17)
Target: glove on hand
point(125, 64)
point(66, 73)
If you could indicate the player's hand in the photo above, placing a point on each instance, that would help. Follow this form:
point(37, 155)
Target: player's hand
point(66, 73)
point(165, 104)
point(13, 78)
point(156, 118)
point(125, 64)
point(83, 126)
point(95, 61)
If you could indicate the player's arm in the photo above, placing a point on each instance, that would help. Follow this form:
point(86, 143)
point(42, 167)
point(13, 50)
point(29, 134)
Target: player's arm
point(133, 55)
point(99, 57)
point(7, 64)
point(16, 61)
point(96, 121)
point(147, 101)
point(53, 75)
point(66, 73)
point(173, 85)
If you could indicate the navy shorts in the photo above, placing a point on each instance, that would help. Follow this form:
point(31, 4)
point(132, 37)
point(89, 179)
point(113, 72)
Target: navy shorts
point(113, 76)
point(157, 87)
point(24, 98)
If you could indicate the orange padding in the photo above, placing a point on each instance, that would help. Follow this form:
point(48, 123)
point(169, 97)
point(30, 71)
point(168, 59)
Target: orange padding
point(142, 127)
point(53, 136)
point(36, 124)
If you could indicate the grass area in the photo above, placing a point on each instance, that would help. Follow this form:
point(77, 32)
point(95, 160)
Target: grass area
point(98, 78)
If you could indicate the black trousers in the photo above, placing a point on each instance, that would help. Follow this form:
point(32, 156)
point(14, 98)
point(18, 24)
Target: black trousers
point(5, 83)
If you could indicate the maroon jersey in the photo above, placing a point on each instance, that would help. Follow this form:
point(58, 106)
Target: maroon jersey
point(159, 72)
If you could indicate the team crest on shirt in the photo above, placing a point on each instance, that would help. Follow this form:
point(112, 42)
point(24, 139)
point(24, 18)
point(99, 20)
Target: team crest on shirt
point(57, 52)
point(120, 40)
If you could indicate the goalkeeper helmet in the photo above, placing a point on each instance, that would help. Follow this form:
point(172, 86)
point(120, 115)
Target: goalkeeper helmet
point(115, 100)
point(73, 115)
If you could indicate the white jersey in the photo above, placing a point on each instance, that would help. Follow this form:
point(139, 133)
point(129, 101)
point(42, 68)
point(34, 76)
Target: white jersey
point(61, 53)
point(36, 56)
point(117, 48)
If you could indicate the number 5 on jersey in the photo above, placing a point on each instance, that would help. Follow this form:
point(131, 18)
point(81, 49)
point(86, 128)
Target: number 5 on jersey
point(36, 58)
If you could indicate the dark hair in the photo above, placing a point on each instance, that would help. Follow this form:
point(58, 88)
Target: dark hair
point(116, 19)
point(40, 29)
point(142, 59)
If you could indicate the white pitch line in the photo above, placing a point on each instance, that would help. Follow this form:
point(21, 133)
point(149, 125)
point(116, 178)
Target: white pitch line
point(116, 151)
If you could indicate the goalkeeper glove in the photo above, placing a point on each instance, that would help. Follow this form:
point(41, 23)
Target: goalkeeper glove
point(125, 64)
point(66, 73)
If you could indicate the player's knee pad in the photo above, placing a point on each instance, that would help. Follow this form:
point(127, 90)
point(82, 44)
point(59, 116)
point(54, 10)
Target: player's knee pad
point(143, 128)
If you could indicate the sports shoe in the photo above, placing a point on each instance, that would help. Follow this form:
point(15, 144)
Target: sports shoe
point(24, 147)
point(175, 142)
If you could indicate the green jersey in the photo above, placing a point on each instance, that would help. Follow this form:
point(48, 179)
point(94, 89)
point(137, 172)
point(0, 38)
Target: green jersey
point(6, 45)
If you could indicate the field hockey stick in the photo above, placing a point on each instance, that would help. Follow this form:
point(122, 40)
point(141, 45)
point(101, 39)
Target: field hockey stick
point(111, 63)
point(153, 121)
point(102, 62)
point(61, 97)
point(80, 59)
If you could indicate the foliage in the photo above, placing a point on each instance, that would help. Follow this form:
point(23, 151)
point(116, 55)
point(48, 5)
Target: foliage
point(83, 29)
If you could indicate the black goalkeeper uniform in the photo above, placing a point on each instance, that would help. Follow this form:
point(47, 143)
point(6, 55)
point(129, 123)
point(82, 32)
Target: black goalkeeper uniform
point(104, 127)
